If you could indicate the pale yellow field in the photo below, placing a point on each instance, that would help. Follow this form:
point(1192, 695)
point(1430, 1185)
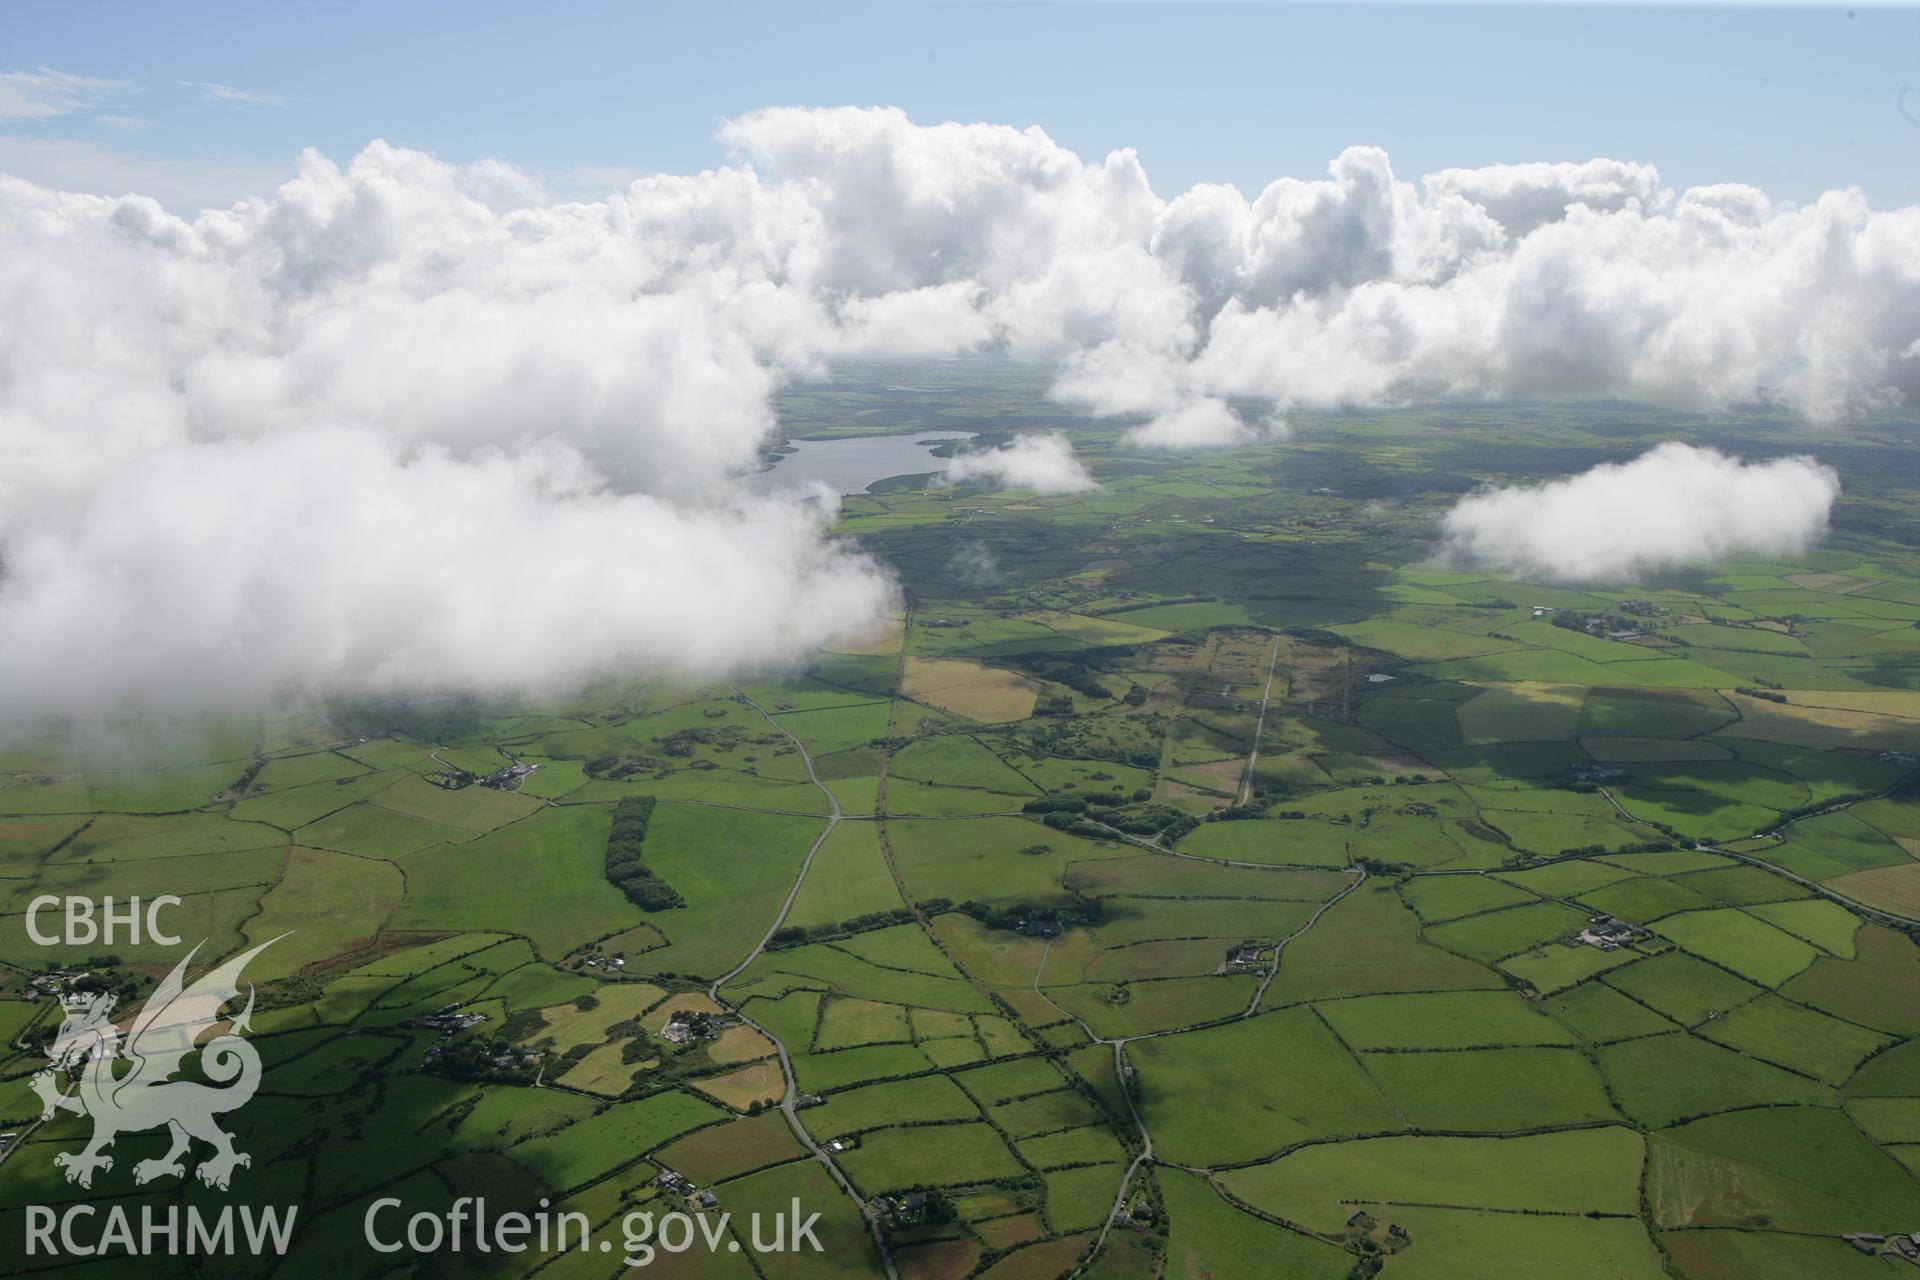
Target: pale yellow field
point(970, 689)
point(603, 1072)
point(618, 1001)
point(1095, 630)
point(1838, 583)
point(1886, 702)
point(1822, 728)
point(885, 639)
point(739, 1044)
point(757, 1082)
point(1895, 889)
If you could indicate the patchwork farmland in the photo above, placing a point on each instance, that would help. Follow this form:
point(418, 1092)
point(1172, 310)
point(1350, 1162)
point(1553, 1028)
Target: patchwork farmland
point(1219, 887)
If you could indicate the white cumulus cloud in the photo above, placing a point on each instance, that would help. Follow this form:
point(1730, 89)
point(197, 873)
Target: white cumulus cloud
point(1041, 461)
point(466, 321)
point(1673, 505)
point(1201, 424)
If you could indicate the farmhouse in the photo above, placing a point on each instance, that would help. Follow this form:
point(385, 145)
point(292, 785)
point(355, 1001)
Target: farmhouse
point(55, 981)
point(1610, 933)
point(447, 1023)
point(1245, 956)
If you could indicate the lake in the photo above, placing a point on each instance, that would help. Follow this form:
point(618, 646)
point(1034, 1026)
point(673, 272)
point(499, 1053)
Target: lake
point(850, 465)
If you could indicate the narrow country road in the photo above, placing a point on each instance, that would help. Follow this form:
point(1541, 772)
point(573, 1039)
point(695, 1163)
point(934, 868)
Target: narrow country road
point(787, 1103)
point(1876, 914)
point(1260, 725)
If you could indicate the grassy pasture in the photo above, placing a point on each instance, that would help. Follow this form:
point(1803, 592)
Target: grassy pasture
point(1003, 1082)
point(1416, 723)
point(1790, 1168)
point(1827, 925)
point(734, 868)
point(373, 832)
point(1524, 711)
point(1600, 1015)
point(1492, 1090)
point(542, 877)
point(1440, 898)
point(1558, 965)
point(1743, 886)
point(1664, 1079)
point(1644, 899)
point(1572, 1172)
point(1734, 940)
point(1205, 1108)
point(1793, 1036)
point(1879, 988)
point(1091, 1144)
point(728, 1150)
point(1741, 1254)
point(982, 859)
point(485, 809)
point(1367, 943)
point(1568, 879)
point(1044, 1113)
point(1210, 1237)
point(1887, 1120)
point(1660, 714)
point(826, 968)
point(845, 1247)
point(1505, 933)
point(1465, 1242)
point(1080, 1198)
point(1130, 920)
point(1302, 843)
point(889, 1159)
point(845, 1023)
point(327, 904)
point(298, 768)
point(956, 760)
point(113, 838)
point(1441, 1020)
point(1682, 987)
point(1149, 875)
point(1161, 1004)
point(615, 1137)
point(297, 807)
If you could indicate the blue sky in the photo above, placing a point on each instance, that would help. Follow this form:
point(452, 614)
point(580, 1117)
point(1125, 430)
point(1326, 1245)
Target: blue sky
point(1793, 100)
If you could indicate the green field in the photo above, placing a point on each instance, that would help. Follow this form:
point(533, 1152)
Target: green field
point(1063, 909)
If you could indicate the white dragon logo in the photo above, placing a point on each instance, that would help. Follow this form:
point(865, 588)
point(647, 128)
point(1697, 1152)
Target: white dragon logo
point(164, 1033)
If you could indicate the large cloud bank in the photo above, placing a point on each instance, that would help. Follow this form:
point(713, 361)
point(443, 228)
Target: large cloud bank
point(384, 346)
point(1042, 461)
point(1673, 505)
